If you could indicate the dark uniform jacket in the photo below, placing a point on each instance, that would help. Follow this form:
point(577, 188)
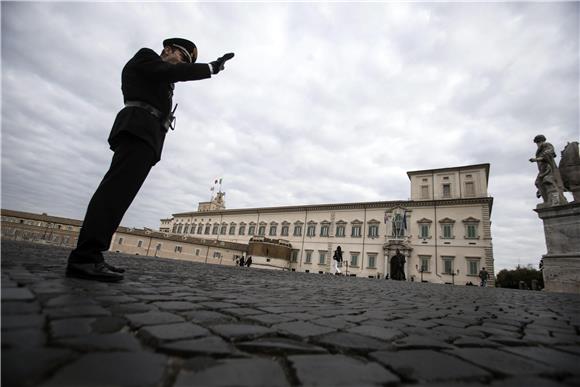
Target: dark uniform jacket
point(147, 78)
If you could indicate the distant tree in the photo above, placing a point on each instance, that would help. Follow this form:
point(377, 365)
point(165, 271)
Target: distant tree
point(511, 278)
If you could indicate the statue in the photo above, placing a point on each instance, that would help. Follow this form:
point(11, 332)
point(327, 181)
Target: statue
point(219, 199)
point(398, 266)
point(570, 169)
point(399, 224)
point(218, 202)
point(548, 182)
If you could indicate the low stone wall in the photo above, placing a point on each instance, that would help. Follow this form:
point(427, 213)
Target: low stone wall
point(269, 249)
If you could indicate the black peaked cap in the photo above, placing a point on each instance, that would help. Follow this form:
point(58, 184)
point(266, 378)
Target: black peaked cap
point(185, 45)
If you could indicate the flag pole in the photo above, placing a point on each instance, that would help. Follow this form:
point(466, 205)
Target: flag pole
point(211, 190)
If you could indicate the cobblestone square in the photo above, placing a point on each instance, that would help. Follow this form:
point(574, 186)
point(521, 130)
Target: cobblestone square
point(178, 323)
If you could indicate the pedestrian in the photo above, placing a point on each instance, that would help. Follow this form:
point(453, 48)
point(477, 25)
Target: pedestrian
point(242, 261)
point(483, 276)
point(136, 138)
point(249, 261)
point(337, 260)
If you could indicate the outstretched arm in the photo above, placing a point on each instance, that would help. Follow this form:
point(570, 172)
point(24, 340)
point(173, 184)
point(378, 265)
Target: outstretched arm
point(147, 62)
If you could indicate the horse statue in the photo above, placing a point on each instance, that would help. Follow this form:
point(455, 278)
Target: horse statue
point(570, 169)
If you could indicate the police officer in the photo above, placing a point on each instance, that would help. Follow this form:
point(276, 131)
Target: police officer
point(136, 139)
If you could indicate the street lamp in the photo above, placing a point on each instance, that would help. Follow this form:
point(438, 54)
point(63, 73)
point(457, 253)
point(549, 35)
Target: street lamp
point(420, 271)
point(453, 276)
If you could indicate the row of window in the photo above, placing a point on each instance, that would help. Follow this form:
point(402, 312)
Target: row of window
point(216, 229)
point(473, 265)
point(446, 190)
point(447, 230)
point(27, 235)
point(323, 254)
point(36, 223)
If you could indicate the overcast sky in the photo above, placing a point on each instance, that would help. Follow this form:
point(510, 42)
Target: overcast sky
point(323, 103)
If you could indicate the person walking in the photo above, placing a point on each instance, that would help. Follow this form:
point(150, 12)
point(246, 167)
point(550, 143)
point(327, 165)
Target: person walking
point(483, 276)
point(337, 260)
point(249, 261)
point(136, 138)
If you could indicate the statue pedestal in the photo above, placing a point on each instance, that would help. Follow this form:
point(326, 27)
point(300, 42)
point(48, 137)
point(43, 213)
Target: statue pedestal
point(562, 262)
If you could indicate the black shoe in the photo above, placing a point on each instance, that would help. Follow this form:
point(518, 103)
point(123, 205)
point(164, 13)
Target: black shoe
point(92, 271)
point(113, 268)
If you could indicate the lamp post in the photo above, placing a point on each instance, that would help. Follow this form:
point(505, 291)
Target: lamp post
point(453, 276)
point(420, 271)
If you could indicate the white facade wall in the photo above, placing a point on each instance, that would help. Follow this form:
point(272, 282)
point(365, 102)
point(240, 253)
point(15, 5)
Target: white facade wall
point(458, 178)
point(458, 209)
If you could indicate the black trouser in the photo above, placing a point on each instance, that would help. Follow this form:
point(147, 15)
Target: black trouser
point(129, 168)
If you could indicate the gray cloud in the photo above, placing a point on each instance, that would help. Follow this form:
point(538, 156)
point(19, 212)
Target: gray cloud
point(323, 103)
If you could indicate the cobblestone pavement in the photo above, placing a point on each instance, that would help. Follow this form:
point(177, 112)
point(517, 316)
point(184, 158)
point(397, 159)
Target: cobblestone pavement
point(176, 323)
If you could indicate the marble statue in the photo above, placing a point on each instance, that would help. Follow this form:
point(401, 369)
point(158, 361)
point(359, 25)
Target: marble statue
point(548, 181)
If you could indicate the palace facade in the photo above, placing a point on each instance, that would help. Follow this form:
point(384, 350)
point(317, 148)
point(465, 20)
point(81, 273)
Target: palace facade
point(444, 230)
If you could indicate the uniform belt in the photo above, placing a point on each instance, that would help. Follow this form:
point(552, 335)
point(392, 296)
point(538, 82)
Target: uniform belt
point(144, 105)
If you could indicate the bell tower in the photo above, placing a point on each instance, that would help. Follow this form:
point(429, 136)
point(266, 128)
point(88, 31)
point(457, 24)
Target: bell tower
point(217, 203)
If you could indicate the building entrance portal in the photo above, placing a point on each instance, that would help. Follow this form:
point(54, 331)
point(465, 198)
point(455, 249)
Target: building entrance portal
point(397, 257)
point(398, 263)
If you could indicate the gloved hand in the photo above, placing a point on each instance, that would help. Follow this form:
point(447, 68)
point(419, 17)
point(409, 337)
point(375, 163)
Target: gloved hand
point(218, 64)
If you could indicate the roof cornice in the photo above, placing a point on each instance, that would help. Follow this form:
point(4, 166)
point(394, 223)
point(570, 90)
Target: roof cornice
point(452, 169)
point(342, 206)
point(41, 217)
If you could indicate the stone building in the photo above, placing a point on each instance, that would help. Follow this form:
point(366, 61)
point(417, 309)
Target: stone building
point(40, 228)
point(444, 230)
point(189, 248)
point(54, 230)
